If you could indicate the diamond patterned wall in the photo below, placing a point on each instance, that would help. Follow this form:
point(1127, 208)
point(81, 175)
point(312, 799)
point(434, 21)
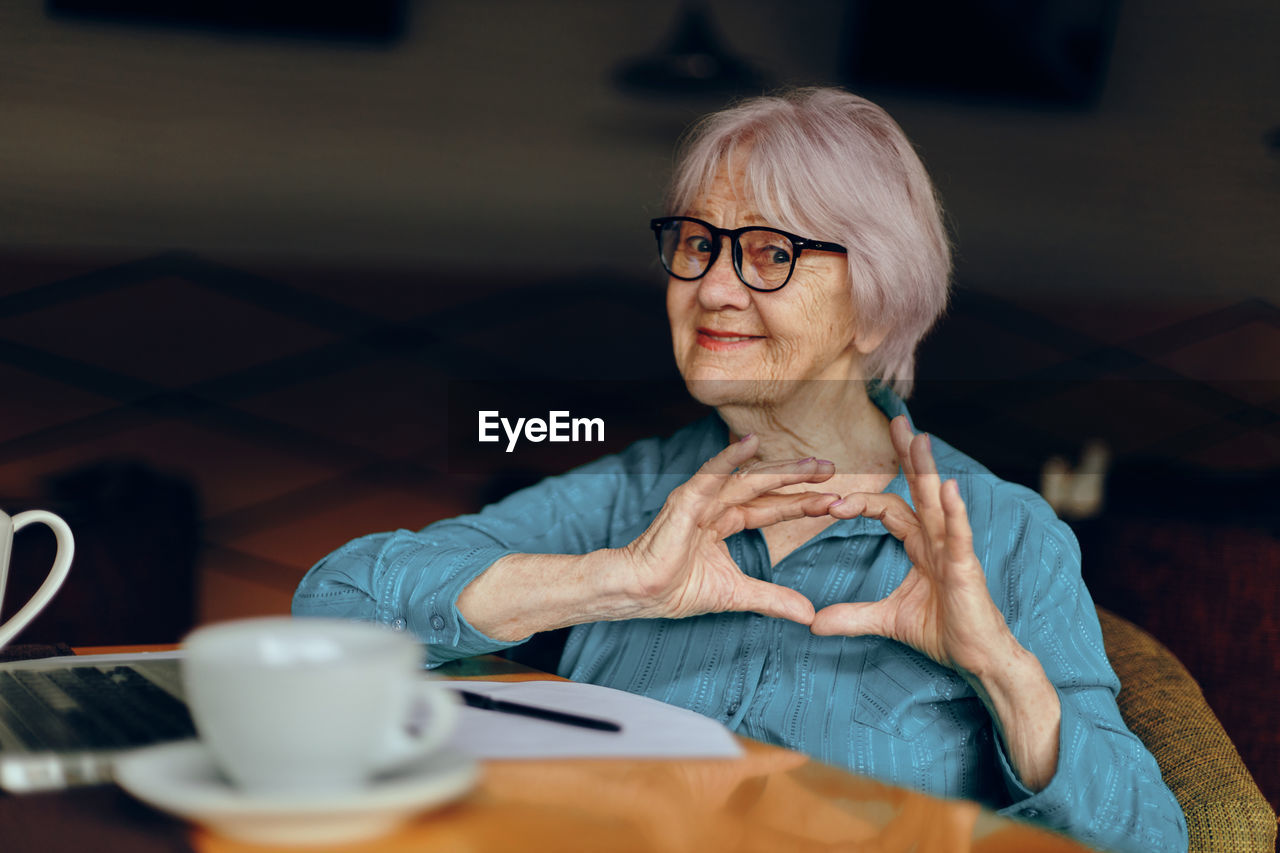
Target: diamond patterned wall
point(306, 408)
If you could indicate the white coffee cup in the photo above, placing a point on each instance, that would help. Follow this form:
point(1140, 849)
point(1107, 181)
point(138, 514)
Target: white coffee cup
point(306, 705)
point(10, 525)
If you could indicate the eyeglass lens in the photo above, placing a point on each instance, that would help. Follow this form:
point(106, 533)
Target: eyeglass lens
point(762, 258)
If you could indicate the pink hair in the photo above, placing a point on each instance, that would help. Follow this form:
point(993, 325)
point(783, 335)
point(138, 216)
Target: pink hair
point(829, 165)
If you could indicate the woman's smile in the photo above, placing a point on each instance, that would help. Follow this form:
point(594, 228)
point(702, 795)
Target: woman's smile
point(719, 340)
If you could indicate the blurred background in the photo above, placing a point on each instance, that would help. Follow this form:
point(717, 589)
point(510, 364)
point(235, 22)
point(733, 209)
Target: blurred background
point(250, 252)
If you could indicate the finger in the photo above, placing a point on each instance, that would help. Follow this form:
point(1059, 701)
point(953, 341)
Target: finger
point(909, 447)
point(892, 511)
point(926, 491)
point(771, 599)
point(904, 440)
point(723, 464)
point(760, 467)
point(772, 476)
point(771, 509)
point(959, 533)
point(901, 434)
point(850, 619)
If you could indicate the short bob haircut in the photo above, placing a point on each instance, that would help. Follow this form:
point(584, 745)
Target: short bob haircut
point(833, 166)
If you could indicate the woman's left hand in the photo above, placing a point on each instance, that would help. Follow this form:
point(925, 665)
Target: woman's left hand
point(942, 608)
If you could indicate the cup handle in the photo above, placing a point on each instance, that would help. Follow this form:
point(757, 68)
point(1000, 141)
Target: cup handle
point(431, 717)
point(57, 574)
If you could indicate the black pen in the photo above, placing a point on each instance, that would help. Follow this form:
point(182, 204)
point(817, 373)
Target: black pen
point(488, 703)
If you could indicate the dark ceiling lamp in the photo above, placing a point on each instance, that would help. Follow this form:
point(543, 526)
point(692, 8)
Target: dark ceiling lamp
point(692, 62)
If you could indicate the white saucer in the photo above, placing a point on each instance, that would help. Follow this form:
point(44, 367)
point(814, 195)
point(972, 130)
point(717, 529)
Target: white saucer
point(180, 778)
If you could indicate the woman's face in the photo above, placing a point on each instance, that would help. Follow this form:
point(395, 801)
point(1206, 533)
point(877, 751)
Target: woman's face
point(736, 346)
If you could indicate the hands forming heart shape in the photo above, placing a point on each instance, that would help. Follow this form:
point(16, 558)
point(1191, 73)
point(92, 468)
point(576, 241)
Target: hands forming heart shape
point(682, 567)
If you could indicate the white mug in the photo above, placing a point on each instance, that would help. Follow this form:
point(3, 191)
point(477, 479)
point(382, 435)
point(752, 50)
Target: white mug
point(10, 525)
point(306, 705)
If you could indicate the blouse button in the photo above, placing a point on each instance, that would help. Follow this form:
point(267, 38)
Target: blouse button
point(437, 622)
point(398, 624)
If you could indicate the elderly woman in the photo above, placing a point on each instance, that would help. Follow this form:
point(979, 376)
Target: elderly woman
point(801, 565)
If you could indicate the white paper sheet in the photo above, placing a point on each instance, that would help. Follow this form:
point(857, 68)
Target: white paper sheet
point(650, 728)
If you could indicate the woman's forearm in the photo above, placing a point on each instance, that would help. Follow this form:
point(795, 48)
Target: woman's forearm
point(1027, 712)
point(522, 594)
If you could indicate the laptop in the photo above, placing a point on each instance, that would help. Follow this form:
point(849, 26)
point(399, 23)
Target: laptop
point(63, 720)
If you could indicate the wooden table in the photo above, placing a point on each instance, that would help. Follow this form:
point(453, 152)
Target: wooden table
point(771, 799)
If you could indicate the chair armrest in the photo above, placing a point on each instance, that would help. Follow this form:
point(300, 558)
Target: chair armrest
point(1162, 704)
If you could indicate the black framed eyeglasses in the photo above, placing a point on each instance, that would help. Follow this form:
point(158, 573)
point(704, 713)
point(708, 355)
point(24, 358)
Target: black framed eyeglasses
point(763, 258)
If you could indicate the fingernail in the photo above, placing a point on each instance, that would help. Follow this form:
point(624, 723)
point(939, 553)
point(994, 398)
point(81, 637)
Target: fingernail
point(745, 437)
point(826, 462)
point(835, 503)
point(928, 445)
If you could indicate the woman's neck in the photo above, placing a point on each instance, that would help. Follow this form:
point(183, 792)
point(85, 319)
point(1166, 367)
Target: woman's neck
point(833, 420)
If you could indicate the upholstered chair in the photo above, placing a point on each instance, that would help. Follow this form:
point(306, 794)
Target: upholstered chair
point(1163, 705)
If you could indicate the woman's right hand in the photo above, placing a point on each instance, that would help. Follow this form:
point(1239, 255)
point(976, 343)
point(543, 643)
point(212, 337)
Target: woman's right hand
point(680, 566)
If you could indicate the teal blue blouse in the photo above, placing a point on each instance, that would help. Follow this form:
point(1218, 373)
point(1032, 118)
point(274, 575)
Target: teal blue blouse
point(869, 704)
